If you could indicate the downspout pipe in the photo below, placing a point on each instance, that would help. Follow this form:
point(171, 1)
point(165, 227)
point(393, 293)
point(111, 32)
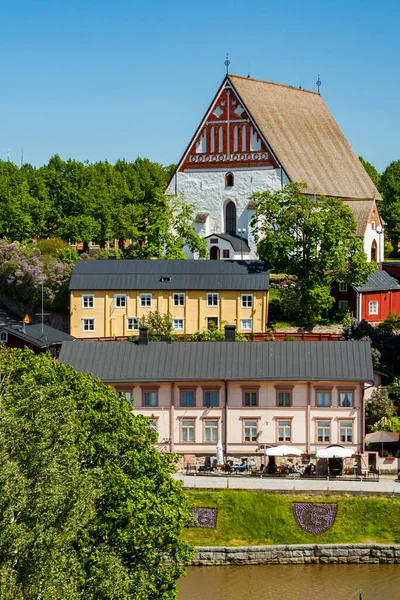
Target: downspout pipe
point(226, 420)
point(363, 427)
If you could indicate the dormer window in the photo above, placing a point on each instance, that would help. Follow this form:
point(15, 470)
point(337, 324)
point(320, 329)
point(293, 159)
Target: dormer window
point(165, 279)
point(229, 180)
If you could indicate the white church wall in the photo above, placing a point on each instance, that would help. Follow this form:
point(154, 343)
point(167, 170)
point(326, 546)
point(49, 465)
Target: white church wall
point(371, 235)
point(207, 190)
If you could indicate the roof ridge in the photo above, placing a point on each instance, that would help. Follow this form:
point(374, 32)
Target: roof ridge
point(285, 85)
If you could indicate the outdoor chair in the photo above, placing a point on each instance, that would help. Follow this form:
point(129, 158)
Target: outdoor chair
point(190, 463)
point(207, 465)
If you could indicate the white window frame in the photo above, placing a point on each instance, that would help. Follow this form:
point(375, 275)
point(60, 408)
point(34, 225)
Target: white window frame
point(3, 337)
point(282, 427)
point(211, 296)
point(247, 300)
point(344, 427)
point(342, 287)
point(188, 430)
point(175, 322)
point(210, 430)
point(85, 325)
point(178, 296)
point(132, 328)
point(143, 300)
point(373, 307)
point(324, 426)
point(373, 225)
point(90, 300)
point(247, 321)
point(251, 425)
point(119, 300)
point(343, 305)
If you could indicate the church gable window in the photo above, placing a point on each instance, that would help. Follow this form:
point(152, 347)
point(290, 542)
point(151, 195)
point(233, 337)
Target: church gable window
point(229, 180)
point(201, 146)
point(236, 138)
point(230, 217)
point(255, 143)
point(221, 140)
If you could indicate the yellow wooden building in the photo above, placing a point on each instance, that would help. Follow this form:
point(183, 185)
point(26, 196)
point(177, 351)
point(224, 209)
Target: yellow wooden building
point(108, 298)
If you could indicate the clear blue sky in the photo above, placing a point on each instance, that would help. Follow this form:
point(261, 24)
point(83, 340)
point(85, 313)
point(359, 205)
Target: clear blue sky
point(100, 79)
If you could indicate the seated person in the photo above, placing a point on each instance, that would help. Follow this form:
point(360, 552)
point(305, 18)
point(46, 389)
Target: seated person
point(242, 468)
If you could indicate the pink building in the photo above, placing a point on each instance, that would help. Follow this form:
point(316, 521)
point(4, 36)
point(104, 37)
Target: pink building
point(309, 394)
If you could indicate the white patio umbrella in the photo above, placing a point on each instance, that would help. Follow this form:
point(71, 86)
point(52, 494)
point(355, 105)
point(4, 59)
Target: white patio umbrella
point(334, 452)
point(382, 436)
point(220, 454)
point(283, 451)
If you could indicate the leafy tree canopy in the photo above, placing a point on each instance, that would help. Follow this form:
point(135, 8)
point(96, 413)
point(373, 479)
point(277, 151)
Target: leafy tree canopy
point(385, 343)
point(375, 176)
point(88, 508)
point(379, 406)
point(389, 208)
point(312, 240)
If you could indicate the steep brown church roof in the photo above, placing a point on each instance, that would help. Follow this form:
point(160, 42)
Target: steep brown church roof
point(361, 210)
point(305, 138)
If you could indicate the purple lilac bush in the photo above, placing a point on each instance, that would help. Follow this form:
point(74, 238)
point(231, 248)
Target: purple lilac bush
point(22, 270)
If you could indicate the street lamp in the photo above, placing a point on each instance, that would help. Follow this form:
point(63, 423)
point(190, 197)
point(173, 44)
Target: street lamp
point(241, 232)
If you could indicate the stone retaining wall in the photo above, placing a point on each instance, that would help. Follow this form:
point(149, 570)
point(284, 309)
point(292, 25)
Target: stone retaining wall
point(297, 554)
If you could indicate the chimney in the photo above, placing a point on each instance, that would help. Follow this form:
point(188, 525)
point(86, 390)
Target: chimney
point(143, 336)
point(230, 333)
point(21, 327)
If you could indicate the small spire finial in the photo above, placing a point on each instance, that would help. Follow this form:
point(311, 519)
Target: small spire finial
point(319, 83)
point(227, 63)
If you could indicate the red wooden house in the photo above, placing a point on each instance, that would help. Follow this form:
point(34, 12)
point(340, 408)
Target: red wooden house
point(392, 267)
point(372, 301)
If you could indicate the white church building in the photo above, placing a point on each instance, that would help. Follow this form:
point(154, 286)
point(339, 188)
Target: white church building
point(258, 136)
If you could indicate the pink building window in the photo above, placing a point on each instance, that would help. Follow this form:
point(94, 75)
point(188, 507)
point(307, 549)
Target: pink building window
point(250, 397)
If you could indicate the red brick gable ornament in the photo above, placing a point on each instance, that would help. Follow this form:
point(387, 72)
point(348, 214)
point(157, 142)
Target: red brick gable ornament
point(228, 138)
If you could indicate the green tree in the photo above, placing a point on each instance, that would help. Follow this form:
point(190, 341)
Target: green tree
point(374, 175)
point(159, 325)
point(88, 508)
point(312, 240)
point(389, 208)
point(164, 228)
point(15, 203)
point(379, 406)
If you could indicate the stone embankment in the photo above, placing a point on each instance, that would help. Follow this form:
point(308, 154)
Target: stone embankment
point(298, 554)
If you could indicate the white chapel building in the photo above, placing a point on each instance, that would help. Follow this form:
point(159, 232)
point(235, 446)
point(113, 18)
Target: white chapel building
point(258, 136)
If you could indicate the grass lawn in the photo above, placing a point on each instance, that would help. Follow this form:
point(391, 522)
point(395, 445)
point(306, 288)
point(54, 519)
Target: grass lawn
point(256, 519)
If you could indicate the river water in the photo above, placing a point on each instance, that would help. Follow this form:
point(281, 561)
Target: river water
point(292, 582)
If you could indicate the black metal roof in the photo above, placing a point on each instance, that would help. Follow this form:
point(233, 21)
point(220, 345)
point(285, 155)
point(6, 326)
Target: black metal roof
point(237, 243)
point(379, 281)
point(33, 334)
point(246, 275)
point(212, 361)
